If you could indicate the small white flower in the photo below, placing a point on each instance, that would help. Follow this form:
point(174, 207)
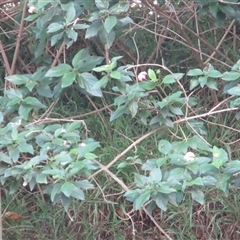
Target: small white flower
point(142, 76)
point(189, 156)
point(32, 10)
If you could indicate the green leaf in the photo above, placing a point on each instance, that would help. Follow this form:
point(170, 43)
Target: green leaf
point(30, 85)
point(71, 14)
point(102, 4)
point(147, 85)
point(68, 79)
point(41, 178)
point(235, 91)
point(55, 190)
point(110, 23)
point(67, 188)
point(80, 26)
point(222, 181)
point(152, 75)
point(198, 196)
point(101, 83)
point(77, 193)
point(90, 156)
point(195, 72)
point(230, 76)
point(202, 80)
point(34, 102)
point(107, 38)
point(72, 34)
point(143, 198)
point(172, 78)
point(232, 167)
point(25, 148)
point(212, 84)
point(155, 175)
point(214, 74)
point(120, 111)
point(17, 79)
point(193, 83)
point(84, 62)
point(54, 27)
point(59, 70)
point(133, 108)
point(5, 158)
point(213, 9)
point(87, 81)
point(161, 201)
point(94, 28)
point(164, 147)
point(84, 184)
point(220, 157)
point(115, 75)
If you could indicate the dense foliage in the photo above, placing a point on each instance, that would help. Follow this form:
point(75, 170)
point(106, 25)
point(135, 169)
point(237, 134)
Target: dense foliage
point(112, 60)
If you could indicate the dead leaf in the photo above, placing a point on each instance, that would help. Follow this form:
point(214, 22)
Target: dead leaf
point(11, 216)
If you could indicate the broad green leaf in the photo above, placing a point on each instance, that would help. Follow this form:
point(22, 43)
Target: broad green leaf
point(80, 26)
point(54, 27)
point(193, 83)
point(172, 78)
point(67, 188)
point(208, 180)
point(41, 178)
point(227, 9)
point(119, 7)
point(25, 148)
point(55, 38)
point(195, 72)
point(71, 14)
point(101, 83)
point(17, 79)
point(30, 85)
point(143, 198)
point(115, 75)
point(68, 79)
point(198, 196)
point(234, 91)
point(72, 34)
point(77, 193)
point(84, 184)
point(164, 147)
point(55, 190)
point(90, 156)
point(87, 81)
point(116, 114)
point(152, 75)
point(161, 201)
point(59, 70)
point(230, 76)
point(83, 62)
point(212, 84)
point(73, 126)
point(222, 181)
point(232, 167)
point(213, 9)
point(93, 29)
point(202, 80)
point(13, 153)
point(102, 4)
point(110, 23)
point(107, 38)
point(214, 74)
point(5, 158)
point(34, 102)
point(24, 111)
point(155, 175)
point(147, 85)
point(133, 108)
